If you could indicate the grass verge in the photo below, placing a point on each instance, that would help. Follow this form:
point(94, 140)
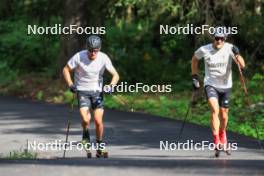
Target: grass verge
point(170, 105)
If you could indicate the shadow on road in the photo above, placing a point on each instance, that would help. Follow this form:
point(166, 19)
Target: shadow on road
point(121, 128)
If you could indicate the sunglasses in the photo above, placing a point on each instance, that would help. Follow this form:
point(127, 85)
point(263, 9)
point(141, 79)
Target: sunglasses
point(219, 38)
point(93, 50)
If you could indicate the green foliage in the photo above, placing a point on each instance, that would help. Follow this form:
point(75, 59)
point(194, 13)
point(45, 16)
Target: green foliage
point(7, 75)
point(26, 53)
point(68, 97)
point(132, 39)
point(25, 154)
point(138, 51)
point(112, 103)
point(137, 57)
point(241, 116)
point(40, 95)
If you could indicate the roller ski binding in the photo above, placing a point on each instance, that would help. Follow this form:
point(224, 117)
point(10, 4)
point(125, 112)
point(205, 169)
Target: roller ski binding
point(226, 149)
point(86, 143)
point(101, 152)
point(222, 148)
point(217, 152)
point(225, 146)
point(87, 147)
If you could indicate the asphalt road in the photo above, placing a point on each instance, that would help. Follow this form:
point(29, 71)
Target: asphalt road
point(133, 142)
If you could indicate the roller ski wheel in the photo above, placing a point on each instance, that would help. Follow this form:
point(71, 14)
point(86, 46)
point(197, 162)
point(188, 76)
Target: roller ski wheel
point(89, 154)
point(228, 152)
point(217, 153)
point(101, 154)
point(87, 147)
point(101, 151)
point(222, 148)
point(226, 149)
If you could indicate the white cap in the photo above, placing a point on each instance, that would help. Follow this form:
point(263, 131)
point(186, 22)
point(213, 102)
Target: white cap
point(220, 32)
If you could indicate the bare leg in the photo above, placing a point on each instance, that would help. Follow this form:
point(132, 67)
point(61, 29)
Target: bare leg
point(98, 120)
point(223, 118)
point(86, 117)
point(213, 103)
point(223, 124)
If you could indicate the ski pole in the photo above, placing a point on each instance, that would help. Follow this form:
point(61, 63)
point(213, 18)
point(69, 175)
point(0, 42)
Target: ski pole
point(242, 80)
point(69, 124)
point(186, 116)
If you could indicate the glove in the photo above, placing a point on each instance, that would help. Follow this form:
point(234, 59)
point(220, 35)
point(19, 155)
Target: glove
point(195, 82)
point(235, 50)
point(73, 88)
point(108, 89)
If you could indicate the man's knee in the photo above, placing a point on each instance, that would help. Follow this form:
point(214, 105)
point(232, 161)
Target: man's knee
point(98, 122)
point(215, 111)
point(86, 116)
point(85, 123)
point(224, 113)
point(213, 102)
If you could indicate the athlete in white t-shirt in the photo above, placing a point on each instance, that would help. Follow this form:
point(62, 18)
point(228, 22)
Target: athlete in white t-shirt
point(218, 57)
point(89, 66)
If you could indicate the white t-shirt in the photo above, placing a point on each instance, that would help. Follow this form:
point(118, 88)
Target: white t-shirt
point(218, 65)
point(88, 74)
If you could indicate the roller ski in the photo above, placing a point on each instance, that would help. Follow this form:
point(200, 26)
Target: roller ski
point(223, 146)
point(86, 143)
point(101, 152)
point(217, 152)
point(226, 149)
point(87, 147)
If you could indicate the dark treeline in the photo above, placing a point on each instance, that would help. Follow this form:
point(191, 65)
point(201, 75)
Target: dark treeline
point(132, 38)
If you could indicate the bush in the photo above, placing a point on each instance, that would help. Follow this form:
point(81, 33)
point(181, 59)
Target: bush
point(7, 75)
point(26, 53)
point(143, 56)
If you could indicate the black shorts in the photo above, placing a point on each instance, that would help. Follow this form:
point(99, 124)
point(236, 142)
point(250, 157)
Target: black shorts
point(90, 99)
point(222, 95)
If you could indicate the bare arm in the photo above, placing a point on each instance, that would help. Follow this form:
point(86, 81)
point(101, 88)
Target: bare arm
point(194, 65)
point(115, 76)
point(240, 61)
point(67, 75)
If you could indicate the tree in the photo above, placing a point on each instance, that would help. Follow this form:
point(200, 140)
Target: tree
point(82, 13)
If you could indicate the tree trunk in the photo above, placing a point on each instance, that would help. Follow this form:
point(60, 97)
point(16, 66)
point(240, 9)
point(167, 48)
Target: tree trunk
point(6, 8)
point(71, 43)
point(83, 13)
